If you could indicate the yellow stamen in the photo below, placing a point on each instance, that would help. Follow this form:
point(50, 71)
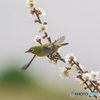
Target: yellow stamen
point(86, 77)
point(31, 0)
point(76, 66)
point(32, 12)
point(31, 5)
point(93, 75)
point(65, 72)
point(43, 28)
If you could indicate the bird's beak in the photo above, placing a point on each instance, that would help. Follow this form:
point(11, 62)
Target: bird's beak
point(26, 51)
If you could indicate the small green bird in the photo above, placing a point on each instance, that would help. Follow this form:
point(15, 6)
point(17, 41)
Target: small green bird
point(44, 50)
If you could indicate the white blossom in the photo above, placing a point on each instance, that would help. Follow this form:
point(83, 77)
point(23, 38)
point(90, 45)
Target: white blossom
point(31, 12)
point(64, 73)
point(94, 75)
point(36, 38)
point(86, 76)
point(68, 55)
point(75, 67)
point(42, 28)
point(79, 81)
point(53, 61)
point(30, 4)
point(41, 12)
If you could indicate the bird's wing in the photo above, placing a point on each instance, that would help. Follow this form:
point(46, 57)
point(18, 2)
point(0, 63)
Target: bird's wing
point(59, 41)
point(47, 46)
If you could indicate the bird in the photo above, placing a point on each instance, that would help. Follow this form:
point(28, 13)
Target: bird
point(44, 50)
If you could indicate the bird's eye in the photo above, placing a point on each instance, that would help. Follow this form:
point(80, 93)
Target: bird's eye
point(32, 50)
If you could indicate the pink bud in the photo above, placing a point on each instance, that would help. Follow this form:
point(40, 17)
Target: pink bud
point(44, 36)
point(86, 71)
point(77, 63)
point(71, 57)
point(85, 87)
point(45, 23)
point(36, 21)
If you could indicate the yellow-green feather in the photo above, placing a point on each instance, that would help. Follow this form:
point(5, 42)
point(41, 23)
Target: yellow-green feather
point(45, 49)
point(37, 50)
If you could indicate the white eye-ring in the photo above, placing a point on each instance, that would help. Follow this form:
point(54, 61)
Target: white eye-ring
point(32, 50)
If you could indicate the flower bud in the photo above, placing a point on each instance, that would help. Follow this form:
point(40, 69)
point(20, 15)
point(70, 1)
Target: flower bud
point(49, 39)
point(36, 21)
point(85, 87)
point(45, 23)
point(71, 58)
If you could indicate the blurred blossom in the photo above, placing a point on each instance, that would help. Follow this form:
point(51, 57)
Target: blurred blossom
point(41, 12)
point(31, 12)
point(51, 61)
point(68, 55)
point(85, 76)
point(42, 28)
point(81, 66)
point(37, 39)
point(94, 75)
point(30, 4)
point(75, 67)
point(79, 81)
point(67, 58)
point(64, 73)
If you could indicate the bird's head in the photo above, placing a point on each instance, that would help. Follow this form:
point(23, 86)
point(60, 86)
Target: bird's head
point(31, 50)
point(35, 50)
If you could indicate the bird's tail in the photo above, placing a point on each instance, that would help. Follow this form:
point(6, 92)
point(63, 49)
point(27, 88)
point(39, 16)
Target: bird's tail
point(63, 44)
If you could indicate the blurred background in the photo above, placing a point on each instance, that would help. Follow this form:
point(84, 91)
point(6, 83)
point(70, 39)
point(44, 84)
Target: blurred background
point(78, 20)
